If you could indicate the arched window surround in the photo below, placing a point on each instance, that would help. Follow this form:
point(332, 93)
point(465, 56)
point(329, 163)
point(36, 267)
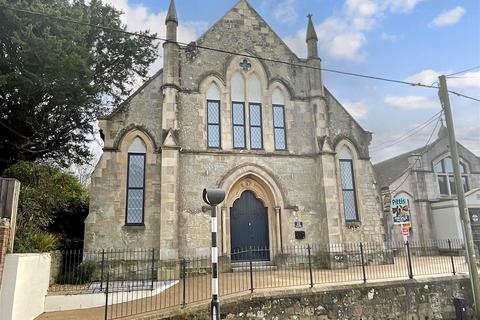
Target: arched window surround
point(223, 82)
point(279, 110)
point(351, 211)
point(205, 86)
point(126, 141)
point(135, 191)
point(443, 169)
point(214, 116)
point(253, 110)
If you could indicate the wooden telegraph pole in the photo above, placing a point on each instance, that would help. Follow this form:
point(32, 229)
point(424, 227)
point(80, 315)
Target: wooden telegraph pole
point(462, 207)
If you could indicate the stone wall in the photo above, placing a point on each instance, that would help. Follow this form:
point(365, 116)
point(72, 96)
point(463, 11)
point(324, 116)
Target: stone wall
point(139, 116)
point(296, 177)
point(407, 300)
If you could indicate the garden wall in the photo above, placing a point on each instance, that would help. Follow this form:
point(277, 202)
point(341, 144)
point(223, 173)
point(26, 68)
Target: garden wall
point(425, 299)
point(25, 284)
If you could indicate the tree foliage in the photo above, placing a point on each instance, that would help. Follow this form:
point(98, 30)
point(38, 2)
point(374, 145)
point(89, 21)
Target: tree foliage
point(56, 77)
point(50, 200)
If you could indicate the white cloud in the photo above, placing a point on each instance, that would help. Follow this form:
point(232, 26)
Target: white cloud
point(468, 79)
point(448, 17)
point(357, 109)
point(427, 76)
point(286, 11)
point(363, 8)
point(139, 18)
point(402, 6)
point(348, 46)
point(388, 37)
point(465, 80)
point(411, 102)
point(343, 35)
point(297, 43)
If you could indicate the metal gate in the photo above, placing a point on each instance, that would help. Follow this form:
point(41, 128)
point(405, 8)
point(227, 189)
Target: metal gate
point(249, 229)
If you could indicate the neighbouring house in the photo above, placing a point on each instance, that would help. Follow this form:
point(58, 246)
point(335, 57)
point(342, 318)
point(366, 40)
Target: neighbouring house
point(424, 177)
point(294, 163)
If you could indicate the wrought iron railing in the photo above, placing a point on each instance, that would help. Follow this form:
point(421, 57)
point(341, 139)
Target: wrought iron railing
point(136, 282)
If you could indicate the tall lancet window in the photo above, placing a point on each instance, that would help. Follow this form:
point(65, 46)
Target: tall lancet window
point(238, 111)
point(255, 112)
point(279, 130)
point(135, 183)
point(213, 117)
point(348, 185)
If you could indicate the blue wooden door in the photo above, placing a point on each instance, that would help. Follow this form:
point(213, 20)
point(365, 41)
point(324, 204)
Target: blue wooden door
point(249, 228)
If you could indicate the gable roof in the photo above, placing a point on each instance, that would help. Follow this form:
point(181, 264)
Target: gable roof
point(240, 5)
point(125, 103)
point(391, 169)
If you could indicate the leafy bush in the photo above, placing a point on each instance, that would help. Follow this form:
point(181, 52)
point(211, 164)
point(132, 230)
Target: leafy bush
point(33, 241)
point(82, 274)
point(48, 197)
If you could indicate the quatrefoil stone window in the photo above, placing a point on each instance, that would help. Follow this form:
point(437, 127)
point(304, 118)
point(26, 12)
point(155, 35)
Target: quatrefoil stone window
point(245, 65)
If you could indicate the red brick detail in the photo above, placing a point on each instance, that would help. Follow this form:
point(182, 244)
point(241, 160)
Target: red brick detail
point(4, 237)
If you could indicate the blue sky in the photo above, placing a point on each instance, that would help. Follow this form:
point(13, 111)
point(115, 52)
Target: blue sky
point(412, 40)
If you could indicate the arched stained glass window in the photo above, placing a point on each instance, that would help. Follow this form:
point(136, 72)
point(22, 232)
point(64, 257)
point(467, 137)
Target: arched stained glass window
point(238, 111)
point(347, 179)
point(213, 117)
point(134, 213)
point(255, 112)
point(279, 128)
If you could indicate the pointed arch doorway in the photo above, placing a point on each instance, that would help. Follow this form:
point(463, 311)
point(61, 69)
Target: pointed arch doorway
point(249, 229)
point(261, 199)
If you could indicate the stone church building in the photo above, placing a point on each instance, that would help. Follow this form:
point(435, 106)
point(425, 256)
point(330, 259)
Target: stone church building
point(294, 163)
point(424, 177)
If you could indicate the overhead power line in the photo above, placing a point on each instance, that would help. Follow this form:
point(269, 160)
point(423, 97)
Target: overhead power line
point(463, 71)
point(215, 49)
point(427, 148)
point(464, 96)
point(194, 45)
point(410, 133)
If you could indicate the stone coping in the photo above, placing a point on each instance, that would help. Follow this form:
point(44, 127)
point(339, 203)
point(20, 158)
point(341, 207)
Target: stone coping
point(289, 292)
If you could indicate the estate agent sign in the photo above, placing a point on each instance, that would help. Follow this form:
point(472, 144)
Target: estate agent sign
point(401, 211)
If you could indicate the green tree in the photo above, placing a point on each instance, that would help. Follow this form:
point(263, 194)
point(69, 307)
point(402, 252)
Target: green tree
point(48, 197)
point(56, 77)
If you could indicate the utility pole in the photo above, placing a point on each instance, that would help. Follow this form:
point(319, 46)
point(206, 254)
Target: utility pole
point(462, 207)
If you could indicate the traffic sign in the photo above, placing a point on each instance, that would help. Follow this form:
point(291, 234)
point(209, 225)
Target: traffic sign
point(406, 231)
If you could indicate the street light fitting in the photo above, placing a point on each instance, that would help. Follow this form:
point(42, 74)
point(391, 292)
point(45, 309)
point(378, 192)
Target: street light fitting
point(213, 197)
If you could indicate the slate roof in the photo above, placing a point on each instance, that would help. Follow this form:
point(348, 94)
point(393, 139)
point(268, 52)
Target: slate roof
point(389, 170)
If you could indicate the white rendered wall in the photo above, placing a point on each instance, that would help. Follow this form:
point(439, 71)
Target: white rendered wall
point(446, 220)
point(24, 286)
point(64, 302)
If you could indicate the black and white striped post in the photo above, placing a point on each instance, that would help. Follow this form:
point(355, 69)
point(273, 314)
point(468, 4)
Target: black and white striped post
point(213, 197)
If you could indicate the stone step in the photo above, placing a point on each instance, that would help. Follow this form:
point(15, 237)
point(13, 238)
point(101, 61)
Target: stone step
point(256, 266)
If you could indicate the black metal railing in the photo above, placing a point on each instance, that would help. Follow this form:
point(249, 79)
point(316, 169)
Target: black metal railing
point(187, 281)
point(78, 271)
